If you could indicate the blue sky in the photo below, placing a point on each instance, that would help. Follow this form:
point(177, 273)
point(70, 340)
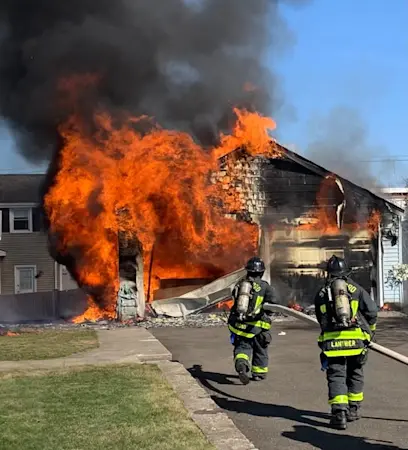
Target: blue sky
point(347, 54)
point(350, 53)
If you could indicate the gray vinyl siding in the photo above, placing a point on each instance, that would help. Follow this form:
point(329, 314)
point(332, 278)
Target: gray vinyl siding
point(391, 257)
point(26, 249)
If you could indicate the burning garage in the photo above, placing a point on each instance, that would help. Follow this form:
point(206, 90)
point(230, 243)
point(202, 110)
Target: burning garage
point(304, 215)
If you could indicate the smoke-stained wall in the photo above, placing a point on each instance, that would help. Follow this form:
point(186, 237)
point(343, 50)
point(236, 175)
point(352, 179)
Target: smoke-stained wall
point(282, 196)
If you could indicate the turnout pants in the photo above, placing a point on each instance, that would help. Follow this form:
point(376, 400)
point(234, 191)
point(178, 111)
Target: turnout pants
point(253, 352)
point(345, 379)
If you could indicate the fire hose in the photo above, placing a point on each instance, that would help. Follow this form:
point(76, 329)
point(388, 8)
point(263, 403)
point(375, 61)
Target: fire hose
point(305, 318)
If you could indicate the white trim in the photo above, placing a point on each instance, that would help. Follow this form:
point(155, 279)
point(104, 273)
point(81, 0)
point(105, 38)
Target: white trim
point(19, 205)
point(30, 220)
point(380, 277)
point(3, 253)
point(401, 190)
point(55, 275)
point(401, 288)
point(25, 266)
point(60, 277)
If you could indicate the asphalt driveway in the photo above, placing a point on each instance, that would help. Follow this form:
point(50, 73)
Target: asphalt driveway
point(289, 410)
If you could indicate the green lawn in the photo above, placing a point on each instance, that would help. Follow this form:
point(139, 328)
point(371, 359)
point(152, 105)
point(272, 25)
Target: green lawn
point(116, 407)
point(46, 344)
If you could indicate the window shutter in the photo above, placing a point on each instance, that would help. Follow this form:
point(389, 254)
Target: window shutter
point(37, 220)
point(6, 221)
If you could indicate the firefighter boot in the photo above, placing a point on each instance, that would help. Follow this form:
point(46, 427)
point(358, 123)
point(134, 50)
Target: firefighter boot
point(258, 377)
point(338, 419)
point(243, 371)
point(354, 412)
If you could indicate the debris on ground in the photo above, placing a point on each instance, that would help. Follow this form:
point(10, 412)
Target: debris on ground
point(202, 320)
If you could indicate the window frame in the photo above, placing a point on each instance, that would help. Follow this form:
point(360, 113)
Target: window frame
point(25, 266)
point(12, 219)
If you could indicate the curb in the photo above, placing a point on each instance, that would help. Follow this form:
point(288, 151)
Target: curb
point(219, 429)
point(149, 349)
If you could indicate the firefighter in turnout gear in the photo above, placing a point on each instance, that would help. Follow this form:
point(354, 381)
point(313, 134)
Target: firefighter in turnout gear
point(249, 324)
point(347, 317)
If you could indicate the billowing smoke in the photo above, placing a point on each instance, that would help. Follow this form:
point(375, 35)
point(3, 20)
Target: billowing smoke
point(187, 63)
point(339, 142)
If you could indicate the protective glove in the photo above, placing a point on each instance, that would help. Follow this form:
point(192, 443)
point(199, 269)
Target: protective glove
point(265, 339)
point(324, 362)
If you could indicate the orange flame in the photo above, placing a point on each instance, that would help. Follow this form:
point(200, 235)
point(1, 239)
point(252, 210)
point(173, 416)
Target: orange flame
point(226, 305)
point(94, 313)
point(373, 222)
point(154, 186)
point(326, 214)
point(11, 333)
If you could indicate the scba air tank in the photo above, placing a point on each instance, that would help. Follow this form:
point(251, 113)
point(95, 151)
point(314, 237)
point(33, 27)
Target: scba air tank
point(341, 302)
point(244, 297)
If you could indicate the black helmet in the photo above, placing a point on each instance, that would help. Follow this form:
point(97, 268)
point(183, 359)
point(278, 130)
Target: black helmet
point(255, 265)
point(337, 266)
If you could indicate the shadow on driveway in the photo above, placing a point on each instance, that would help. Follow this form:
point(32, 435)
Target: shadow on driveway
point(328, 441)
point(240, 405)
point(306, 433)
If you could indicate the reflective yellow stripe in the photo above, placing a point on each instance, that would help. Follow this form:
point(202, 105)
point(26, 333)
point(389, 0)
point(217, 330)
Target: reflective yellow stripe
point(350, 352)
point(242, 356)
point(258, 304)
point(323, 309)
point(357, 333)
point(373, 327)
point(257, 369)
point(260, 324)
point(240, 333)
point(354, 307)
point(355, 397)
point(339, 400)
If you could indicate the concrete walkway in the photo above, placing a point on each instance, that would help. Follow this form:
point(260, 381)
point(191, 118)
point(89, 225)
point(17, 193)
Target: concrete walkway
point(125, 345)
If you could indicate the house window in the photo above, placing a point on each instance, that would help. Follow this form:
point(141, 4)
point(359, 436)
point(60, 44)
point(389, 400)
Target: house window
point(24, 277)
point(21, 220)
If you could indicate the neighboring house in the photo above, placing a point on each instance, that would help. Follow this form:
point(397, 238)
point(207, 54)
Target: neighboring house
point(397, 254)
point(25, 264)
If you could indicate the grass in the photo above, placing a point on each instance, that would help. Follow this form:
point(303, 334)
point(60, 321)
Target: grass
point(46, 344)
point(112, 407)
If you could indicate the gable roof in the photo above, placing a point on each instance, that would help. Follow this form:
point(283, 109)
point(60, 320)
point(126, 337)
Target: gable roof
point(21, 188)
point(321, 171)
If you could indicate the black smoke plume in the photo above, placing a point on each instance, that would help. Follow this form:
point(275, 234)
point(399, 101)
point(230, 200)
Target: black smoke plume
point(187, 63)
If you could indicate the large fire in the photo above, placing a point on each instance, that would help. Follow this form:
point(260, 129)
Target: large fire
point(153, 185)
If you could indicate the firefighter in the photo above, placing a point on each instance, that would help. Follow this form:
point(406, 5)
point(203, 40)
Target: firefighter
point(250, 332)
point(347, 317)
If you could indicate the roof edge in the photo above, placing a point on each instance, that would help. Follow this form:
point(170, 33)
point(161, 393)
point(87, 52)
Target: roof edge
point(319, 170)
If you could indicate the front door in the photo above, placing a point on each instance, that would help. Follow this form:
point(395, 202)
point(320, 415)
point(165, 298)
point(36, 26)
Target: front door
point(25, 279)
